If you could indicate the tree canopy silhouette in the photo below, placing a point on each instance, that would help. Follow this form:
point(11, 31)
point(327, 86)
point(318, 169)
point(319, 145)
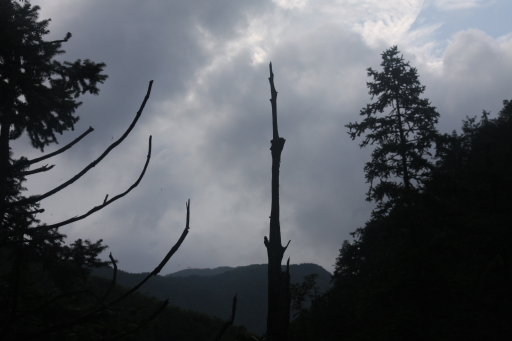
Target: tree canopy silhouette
point(402, 125)
point(452, 282)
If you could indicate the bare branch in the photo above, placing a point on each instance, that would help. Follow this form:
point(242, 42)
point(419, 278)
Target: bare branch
point(35, 199)
point(284, 249)
point(178, 244)
point(63, 149)
point(229, 322)
point(163, 262)
point(114, 278)
point(105, 202)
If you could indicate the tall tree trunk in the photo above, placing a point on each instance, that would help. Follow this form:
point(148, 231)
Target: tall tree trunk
point(403, 154)
point(4, 163)
point(278, 317)
point(6, 117)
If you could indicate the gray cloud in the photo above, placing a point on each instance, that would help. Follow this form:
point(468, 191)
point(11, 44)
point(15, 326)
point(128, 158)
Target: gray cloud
point(210, 118)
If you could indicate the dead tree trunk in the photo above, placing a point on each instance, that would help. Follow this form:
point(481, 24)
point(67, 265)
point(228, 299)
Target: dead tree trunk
point(278, 317)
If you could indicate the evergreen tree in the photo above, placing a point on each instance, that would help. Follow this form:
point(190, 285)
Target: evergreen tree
point(462, 218)
point(43, 282)
point(404, 134)
point(39, 98)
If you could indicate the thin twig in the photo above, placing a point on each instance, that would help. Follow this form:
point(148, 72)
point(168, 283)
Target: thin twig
point(114, 278)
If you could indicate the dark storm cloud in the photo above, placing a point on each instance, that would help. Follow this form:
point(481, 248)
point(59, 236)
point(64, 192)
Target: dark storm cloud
point(140, 41)
point(210, 118)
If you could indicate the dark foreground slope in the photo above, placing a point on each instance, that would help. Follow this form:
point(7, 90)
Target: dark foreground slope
point(212, 294)
point(173, 323)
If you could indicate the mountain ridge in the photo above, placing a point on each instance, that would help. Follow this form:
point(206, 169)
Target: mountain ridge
point(211, 291)
point(200, 272)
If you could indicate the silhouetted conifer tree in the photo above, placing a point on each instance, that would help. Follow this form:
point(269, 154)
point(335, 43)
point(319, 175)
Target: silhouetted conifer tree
point(402, 126)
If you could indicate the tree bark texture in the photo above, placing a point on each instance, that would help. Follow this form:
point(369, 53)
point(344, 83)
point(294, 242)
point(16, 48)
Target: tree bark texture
point(278, 317)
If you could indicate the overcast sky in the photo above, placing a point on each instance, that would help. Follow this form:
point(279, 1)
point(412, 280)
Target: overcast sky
point(210, 115)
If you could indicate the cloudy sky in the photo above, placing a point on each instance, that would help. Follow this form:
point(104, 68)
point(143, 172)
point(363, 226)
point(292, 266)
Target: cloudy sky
point(210, 116)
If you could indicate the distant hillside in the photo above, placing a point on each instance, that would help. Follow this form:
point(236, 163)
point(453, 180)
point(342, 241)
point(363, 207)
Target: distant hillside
point(197, 290)
point(172, 323)
point(200, 272)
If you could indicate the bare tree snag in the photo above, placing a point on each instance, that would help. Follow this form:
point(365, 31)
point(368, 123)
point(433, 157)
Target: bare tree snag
point(278, 316)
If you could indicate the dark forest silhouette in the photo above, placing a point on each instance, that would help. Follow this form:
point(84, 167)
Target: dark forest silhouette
point(434, 261)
